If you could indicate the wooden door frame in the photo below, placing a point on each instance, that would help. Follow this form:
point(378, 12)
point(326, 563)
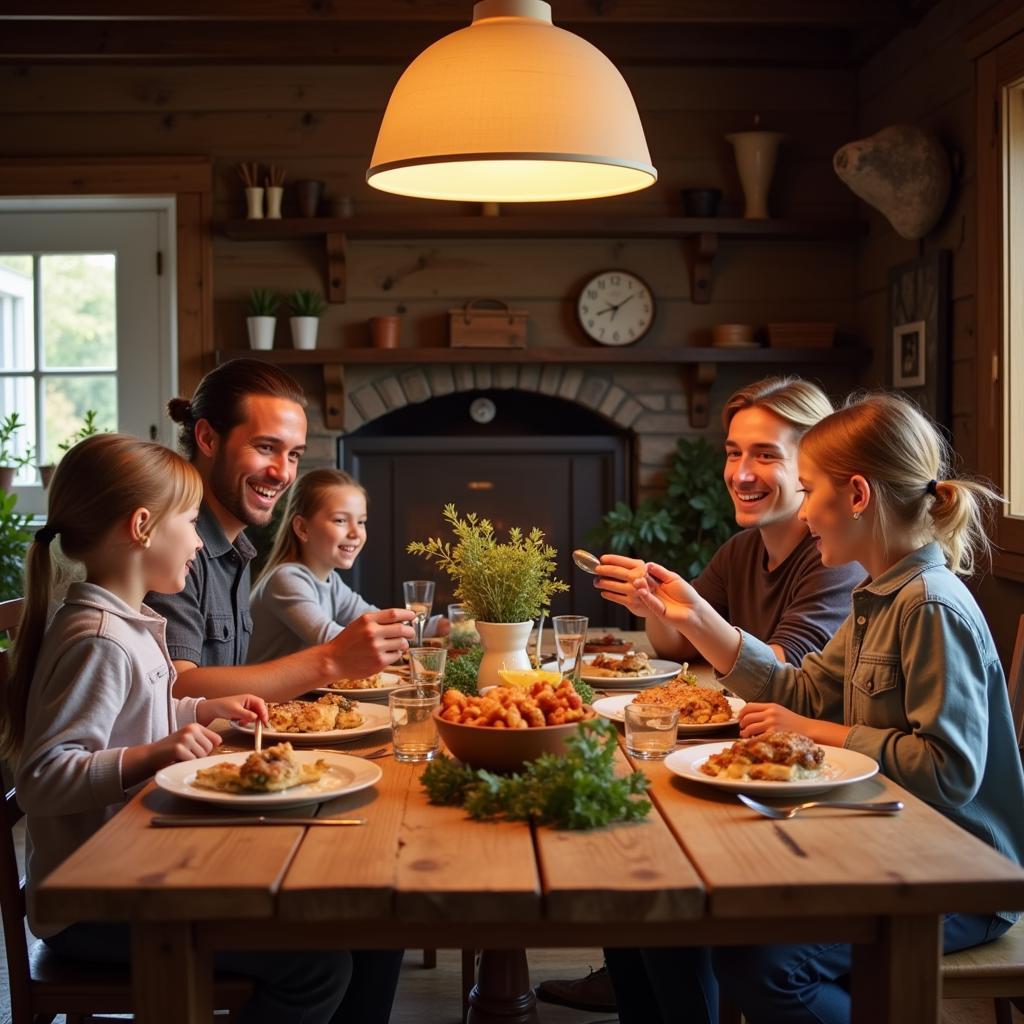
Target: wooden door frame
point(190, 181)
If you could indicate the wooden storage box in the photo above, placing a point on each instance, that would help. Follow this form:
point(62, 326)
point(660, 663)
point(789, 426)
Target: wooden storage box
point(801, 335)
point(471, 326)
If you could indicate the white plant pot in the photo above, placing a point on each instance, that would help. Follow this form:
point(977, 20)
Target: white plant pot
point(504, 645)
point(755, 161)
point(261, 331)
point(304, 331)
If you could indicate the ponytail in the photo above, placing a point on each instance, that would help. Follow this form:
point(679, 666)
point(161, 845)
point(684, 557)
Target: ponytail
point(959, 513)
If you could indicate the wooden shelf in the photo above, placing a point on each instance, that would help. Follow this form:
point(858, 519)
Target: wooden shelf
point(699, 364)
point(701, 235)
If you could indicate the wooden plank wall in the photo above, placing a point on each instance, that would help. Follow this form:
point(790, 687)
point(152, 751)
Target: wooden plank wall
point(925, 77)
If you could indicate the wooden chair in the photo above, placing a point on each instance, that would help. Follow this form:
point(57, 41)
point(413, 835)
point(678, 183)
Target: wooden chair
point(43, 985)
point(995, 970)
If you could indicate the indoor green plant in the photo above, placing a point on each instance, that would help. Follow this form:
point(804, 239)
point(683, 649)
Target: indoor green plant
point(262, 318)
point(306, 306)
point(683, 528)
point(14, 538)
point(89, 427)
point(505, 585)
point(10, 460)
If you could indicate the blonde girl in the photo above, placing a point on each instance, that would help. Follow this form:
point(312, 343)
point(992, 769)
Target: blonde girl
point(299, 599)
point(911, 678)
point(88, 714)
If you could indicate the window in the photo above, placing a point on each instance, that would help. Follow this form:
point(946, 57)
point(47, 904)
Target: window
point(85, 328)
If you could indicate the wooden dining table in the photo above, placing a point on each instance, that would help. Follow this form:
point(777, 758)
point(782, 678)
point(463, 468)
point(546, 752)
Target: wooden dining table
point(700, 869)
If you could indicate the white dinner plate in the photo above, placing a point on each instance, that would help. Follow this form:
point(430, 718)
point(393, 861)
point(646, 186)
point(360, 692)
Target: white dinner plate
point(612, 709)
point(378, 693)
point(374, 717)
point(345, 774)
point(841, 768)
point(661, 672)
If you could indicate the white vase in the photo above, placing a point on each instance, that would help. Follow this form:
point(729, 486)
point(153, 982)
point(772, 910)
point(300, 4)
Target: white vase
point(755, 161)
point(254, 203)
point(274, 194)
point(504, 645)
point(304, 331)
point(261, 331)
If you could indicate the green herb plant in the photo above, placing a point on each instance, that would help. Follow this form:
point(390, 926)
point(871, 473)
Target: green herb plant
point(9, 426)
point(499, 582)
point(683, 528)
point(305, 302)
point(579, 790)
point(263, 302)
point(14, 538)
point(87, 429)
point(460, 673)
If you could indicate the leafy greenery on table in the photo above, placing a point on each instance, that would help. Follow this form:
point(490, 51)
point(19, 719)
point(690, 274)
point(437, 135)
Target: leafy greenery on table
point(683, 528)
point(579, 790)
point(460, 673)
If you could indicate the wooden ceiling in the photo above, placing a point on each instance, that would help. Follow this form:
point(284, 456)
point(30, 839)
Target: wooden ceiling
point(757, 32)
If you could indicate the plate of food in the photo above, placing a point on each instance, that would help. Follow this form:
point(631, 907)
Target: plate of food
point(634, 671)
point(375, 687)
point(278, 776)
point(607, 644)
point(700, 709)
point(329, 719)
point(772, 764)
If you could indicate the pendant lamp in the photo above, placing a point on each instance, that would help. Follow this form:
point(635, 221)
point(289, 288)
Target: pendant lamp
point(511, 110)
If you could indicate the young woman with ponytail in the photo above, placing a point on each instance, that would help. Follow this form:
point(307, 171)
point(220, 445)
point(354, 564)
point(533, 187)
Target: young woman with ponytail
point(911, 678)
point(87, 711)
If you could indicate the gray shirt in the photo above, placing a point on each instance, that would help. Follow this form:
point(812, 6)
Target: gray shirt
point(798, 605)
point(915, 672)
point(102, 683)
point(209, 622)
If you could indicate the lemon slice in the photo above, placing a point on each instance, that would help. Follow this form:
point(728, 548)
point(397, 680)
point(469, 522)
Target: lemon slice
point(526, 677)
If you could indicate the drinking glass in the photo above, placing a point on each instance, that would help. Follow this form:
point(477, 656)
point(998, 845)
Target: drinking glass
point(426, 666)
point(463, 628)
point(419, 598)
point(413, 729)
point(570, 632)
point(650, 730)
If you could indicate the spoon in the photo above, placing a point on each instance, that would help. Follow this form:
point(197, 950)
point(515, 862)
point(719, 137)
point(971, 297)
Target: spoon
point(885, 807)
point(586, 561)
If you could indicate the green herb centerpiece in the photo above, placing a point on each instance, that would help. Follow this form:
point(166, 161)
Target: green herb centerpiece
point(506, 585)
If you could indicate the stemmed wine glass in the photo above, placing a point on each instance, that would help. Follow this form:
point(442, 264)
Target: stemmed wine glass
point(419, 599)
point(570, 634)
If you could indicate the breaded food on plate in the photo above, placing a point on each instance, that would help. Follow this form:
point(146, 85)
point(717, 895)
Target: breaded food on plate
point(772, 756)
point(267, 771)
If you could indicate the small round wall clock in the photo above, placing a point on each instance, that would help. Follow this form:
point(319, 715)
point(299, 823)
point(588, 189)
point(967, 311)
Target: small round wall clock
point(615, 307)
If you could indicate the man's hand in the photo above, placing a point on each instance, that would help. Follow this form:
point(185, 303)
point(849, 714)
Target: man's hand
point(615, 577)
point(371, 642)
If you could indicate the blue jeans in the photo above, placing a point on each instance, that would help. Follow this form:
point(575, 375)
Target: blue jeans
point(291, 987)
point(810, 983)
point(662, 985)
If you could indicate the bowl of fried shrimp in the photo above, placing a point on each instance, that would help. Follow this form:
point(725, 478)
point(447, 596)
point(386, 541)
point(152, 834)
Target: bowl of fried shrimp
point(510, 725)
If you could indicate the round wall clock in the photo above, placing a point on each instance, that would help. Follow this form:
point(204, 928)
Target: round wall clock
point(615, 307)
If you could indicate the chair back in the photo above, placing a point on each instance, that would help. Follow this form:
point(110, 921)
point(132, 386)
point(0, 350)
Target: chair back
point(12, 903)
point(1015, 684)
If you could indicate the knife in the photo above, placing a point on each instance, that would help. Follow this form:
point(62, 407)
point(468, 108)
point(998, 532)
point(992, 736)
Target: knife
point(187, 821)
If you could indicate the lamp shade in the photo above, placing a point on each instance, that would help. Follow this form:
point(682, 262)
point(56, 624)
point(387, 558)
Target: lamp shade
point(511, 109)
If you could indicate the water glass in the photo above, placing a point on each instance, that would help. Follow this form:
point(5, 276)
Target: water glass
point(463, 627)
point(419, 599)
point(570, 634)
point(413, 729)
point(426, 666)
point(650, 731)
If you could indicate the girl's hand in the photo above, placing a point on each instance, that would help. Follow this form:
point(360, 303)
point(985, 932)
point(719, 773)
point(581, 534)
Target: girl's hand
point(615, 577)
point(666, 594)
point(244, 708)
point(760, 718)
point(188, 743)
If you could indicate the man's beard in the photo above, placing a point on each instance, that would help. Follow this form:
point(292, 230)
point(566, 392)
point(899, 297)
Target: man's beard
point(222, 485)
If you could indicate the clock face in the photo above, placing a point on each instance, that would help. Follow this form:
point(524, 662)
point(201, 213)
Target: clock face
point(615, 308)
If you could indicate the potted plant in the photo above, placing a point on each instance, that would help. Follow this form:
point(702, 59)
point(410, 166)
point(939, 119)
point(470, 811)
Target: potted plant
point(505, 586)
point(262, 318)
point(87, 429)
point(10, 460)
point(306, 306)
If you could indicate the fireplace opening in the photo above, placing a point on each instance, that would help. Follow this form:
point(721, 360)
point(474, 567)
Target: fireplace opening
point(516, 458)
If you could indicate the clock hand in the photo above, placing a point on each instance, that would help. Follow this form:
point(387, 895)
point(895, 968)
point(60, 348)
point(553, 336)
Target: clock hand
point(610, 309)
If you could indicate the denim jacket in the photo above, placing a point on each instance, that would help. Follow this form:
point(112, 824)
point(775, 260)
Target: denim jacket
point(914, 671)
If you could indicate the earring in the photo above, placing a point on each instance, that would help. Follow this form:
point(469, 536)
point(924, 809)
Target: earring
point(856, 515)
point(144, 540)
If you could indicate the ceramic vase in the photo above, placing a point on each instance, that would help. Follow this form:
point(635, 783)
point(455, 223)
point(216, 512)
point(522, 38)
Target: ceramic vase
point(261, 331)
point(385, 331)
point(274, 194)
point(504, 645)
point(46, 473)
point(304, 331)
point(755, 161)
point(7, 474)
point(254, 203)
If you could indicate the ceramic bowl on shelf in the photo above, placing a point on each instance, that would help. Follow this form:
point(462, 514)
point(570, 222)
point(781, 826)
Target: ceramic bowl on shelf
point(733, 336)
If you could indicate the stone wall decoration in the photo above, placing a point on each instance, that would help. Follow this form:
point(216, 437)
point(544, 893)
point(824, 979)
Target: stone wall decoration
point(919, 352)
point(903, 171)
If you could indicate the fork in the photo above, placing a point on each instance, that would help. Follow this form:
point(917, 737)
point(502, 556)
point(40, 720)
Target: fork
point(883, 807)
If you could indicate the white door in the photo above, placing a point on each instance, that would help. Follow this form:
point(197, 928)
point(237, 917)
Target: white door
point(87, 325)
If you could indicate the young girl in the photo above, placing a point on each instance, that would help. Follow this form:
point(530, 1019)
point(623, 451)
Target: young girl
point(911, 678)
point(88, 714)
point(298, 599)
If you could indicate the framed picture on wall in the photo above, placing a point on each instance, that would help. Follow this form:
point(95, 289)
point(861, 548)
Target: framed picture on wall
point(919, 317)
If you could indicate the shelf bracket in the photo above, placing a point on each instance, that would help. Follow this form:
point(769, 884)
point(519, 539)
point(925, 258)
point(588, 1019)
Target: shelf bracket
point(334, 396)
point(337, 265)
point(702, 258)
point(699, 378)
